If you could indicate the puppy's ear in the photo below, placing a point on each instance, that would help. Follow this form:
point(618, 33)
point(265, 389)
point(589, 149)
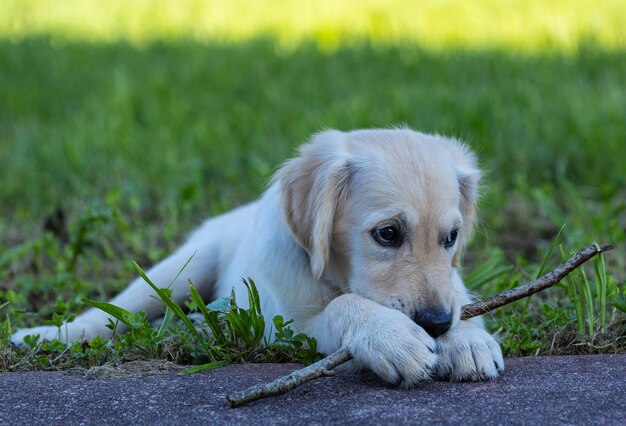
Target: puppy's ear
point(468, 176)
point(313, 186)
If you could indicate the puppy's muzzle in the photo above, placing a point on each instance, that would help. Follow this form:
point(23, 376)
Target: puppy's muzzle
point(435, 321)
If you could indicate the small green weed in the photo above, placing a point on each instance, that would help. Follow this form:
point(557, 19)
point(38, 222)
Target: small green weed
point(298, 345)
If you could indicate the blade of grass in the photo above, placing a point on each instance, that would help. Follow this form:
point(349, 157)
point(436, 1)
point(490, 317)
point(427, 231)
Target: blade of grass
point(549, 254)
point(210, 317)
point(256, 317)
point(588, 301)
point(181, 270)
point(167, 320)
point(546, 258)
point(574, 296)
point(253, 296)
point(118, 313)
point(600, 272)
point(204, 367)
point(176, 309)
point(214, 364)
point(237, 321)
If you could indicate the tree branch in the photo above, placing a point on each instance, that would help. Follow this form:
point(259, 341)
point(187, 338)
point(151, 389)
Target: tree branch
point(324, 367)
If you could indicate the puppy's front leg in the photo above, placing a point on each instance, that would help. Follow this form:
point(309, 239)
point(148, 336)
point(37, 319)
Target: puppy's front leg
point(379, 338)
point(467, 352)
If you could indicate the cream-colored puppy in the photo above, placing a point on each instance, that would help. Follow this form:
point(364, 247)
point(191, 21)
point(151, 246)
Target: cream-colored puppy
point(357, 239)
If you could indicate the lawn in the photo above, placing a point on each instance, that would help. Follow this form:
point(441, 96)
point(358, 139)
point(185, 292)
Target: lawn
point(123, 125)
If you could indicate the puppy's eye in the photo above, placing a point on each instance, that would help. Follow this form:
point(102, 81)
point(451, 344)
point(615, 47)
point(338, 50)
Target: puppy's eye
point(451, 239)
point(388, 236)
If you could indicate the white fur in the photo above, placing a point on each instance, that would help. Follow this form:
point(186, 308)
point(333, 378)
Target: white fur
point(307, 244)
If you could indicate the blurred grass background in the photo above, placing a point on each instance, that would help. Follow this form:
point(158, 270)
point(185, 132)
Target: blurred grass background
point(162, 113)
point(522, 25)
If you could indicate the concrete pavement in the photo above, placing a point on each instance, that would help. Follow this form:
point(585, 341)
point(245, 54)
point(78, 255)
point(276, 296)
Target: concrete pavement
point(543, 390)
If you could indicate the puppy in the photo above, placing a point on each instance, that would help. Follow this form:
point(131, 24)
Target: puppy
point(358, 240)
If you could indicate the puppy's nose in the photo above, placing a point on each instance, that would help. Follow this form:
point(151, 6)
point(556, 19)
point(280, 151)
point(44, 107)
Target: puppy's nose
point(435, 322)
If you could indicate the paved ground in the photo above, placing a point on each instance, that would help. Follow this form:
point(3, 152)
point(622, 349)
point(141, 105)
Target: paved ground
point(555, 390)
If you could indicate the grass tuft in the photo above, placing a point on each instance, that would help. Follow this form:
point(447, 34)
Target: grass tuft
point(227, 333)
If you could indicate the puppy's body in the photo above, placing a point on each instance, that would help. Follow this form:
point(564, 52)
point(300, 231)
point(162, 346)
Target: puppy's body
point(357, 240)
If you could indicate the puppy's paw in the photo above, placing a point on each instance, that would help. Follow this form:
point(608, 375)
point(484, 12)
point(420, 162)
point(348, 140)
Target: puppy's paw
point(67, 333)
point(468, 353)
point(395, 348)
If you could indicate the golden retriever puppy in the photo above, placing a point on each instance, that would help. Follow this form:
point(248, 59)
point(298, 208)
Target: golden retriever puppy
point(358, 239)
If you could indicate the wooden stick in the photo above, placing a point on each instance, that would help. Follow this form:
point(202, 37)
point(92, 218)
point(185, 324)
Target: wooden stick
point(323, 368)
point(545, 281)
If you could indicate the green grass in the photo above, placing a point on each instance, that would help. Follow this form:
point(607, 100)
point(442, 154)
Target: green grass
point(224, 333)
point(122, 126)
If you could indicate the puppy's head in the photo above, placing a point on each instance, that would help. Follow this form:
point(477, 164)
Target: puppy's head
point(385, 214)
